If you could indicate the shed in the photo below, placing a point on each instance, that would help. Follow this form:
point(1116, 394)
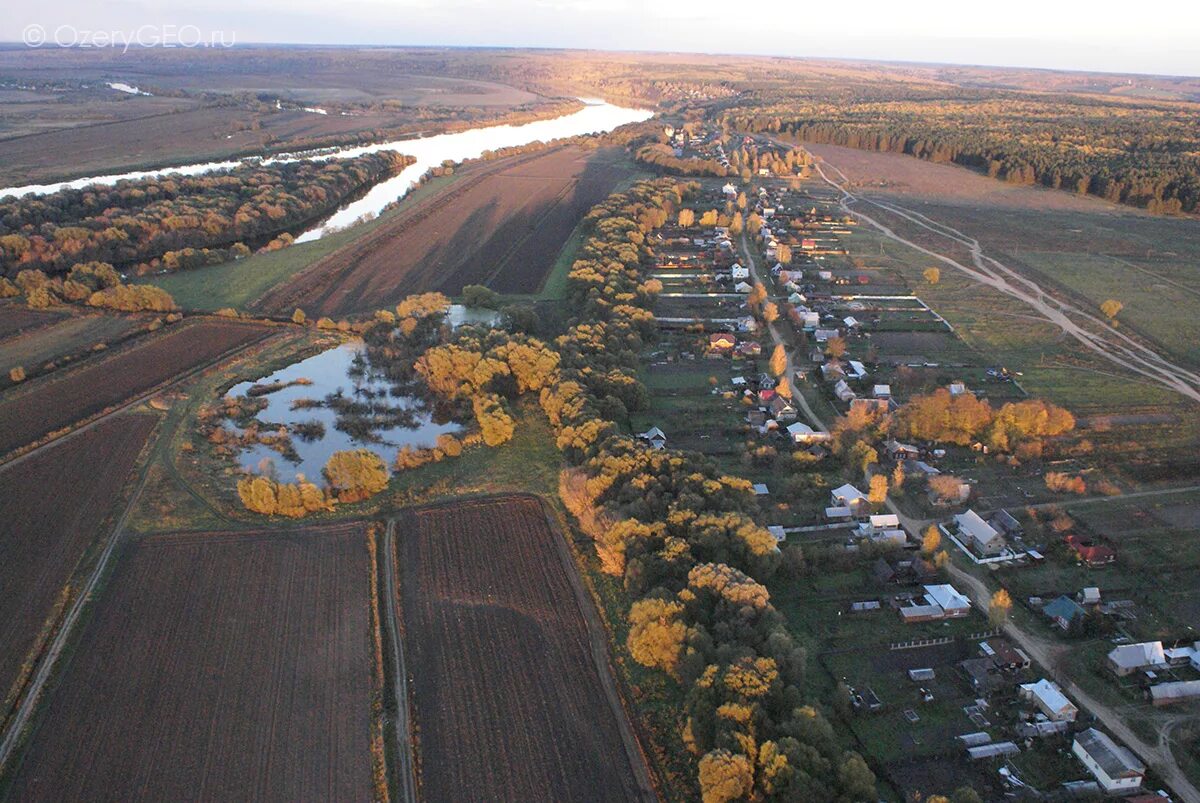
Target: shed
point(992, 750)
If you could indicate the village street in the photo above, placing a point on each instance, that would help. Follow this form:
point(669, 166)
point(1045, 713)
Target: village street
point(797, 395)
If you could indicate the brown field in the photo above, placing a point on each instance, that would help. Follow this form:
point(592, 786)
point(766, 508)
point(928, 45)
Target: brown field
point(70, 337)
point(15, 319)
point(508, 702)
point(216, 666)
point(502, 224)
point(45, 407)
point(54, 505)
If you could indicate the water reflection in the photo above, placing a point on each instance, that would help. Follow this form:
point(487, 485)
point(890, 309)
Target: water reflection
point(332, 401)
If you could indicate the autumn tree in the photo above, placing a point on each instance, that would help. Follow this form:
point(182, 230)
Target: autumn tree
point(299, 317)
point(932, 275)
point(835, 347)
point(1112, 307)
point(480, 297)
point(736, 224)
point(687, 217)
point(878, 489)
point(656, 633)
point(779, 360)
point(770, 312)
point(725, 776)
point(931, 541)
point(355, 474)
point(999, 607)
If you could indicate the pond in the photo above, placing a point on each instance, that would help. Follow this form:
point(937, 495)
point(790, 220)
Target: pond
point(333, 401)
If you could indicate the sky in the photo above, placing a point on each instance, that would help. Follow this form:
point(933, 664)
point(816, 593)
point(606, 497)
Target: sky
point(1161, 37)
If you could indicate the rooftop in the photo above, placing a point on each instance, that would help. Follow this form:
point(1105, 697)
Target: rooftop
point(1113, 759)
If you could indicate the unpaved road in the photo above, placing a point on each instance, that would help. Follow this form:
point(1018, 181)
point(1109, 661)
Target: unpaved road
point(797, 395)
point(1091, 331)
point(405, 771)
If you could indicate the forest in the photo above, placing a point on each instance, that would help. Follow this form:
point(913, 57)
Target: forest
point(1140, 153)
point(174, 221)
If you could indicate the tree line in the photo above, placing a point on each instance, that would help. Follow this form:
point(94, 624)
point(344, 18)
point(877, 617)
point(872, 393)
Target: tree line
point(178, 221)
point(1137, 153)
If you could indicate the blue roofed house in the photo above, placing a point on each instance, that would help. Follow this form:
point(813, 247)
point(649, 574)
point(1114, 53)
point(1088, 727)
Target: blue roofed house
point(1063, 611)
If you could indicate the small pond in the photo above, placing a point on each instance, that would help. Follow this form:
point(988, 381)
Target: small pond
point(334, 401)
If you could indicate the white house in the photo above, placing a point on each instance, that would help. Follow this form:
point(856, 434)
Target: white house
point(730, 190)
point(857, 369)
point(978, 534)
point(843, 391)
point(742, 287)
point(739, 272)
point(847, 496)
point(1129, 658)
point(802, 433)
point(1113, 766)
point(882, 391)
point(948, 599)
point(1048, 697)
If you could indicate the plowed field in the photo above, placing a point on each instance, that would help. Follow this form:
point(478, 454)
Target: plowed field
point(216, 666)
point(509, 702)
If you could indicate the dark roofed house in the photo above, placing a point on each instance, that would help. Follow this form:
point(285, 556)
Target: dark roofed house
point(1063, 611)
point(1003, 521)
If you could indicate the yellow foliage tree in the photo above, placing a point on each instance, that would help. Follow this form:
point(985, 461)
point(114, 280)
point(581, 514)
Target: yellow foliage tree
point(778, 362)
point(656, 633)
point(999, 607)
point(725, 776)
point(932, 275)
point(355, 474)
point(878, 489)
point(932, 540)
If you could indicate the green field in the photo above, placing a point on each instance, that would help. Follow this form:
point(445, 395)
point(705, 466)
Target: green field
point(1165, 311)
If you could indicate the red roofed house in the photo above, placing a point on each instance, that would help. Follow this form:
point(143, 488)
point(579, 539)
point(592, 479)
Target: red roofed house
point(1091, 554)
point(721, 343)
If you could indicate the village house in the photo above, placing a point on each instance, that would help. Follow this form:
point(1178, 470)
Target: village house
point(948, 599)
point(901, 451)
point(1063, 611)
point(883, 529)
point(1126, 659)
point(1005, 655)
point(783, 409)
point(802, 434)
point(940, 602)
point(1112, 765)
point(655, 437)
point(1178, 691)
point(721, 344)
point(1050, 700)
point(739, 272)
point(749, 348)
point(847, 496)
point(843, 391)
point(978, 535)
point(1092, 555)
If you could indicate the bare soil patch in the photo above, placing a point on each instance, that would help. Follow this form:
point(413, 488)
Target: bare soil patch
point(217, 666)
point(507, 699)
point(46, 407)
point(55, 505)
point(501, 224)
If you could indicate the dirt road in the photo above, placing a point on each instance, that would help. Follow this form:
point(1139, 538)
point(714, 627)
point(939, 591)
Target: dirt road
point(1092, 332)
point(405, 772)
point(797, 395)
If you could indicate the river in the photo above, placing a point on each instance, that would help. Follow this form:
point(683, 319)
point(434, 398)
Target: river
point(595, 117)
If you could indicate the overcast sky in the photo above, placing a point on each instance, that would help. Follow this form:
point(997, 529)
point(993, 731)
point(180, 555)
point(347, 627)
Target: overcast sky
point(1151, 37)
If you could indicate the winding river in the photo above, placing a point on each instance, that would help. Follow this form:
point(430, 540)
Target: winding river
point(596, 117)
